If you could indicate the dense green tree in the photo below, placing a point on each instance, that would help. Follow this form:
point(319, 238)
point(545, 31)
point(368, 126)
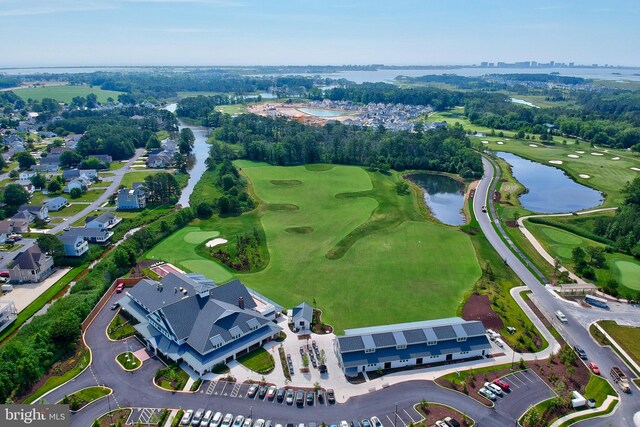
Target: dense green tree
point(15, 195)
point(153, 143)
point(187, 139)
point(75, 193)
point(51, 244)
point(38, 181)
point(54, 186)
point(25, 160)
point(70, 159)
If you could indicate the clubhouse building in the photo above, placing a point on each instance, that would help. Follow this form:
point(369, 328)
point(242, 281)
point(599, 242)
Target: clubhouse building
point(410, 344)
point(187, 318)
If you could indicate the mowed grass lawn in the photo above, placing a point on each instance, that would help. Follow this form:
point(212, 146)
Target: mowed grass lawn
point(559, 244)
point(391, 265)
point(628, 337)
point(606, 174)
point(65, 93)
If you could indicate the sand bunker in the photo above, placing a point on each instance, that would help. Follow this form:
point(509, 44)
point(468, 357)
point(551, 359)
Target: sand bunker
point(580, 152)
point(615, 158)
point(597, 154)
point(584, 176)
point(635, 169)
point(215, 242)
point(573, 156)
point(532, 145)
point(499, 142)
point(485, 142)
point(555, 162)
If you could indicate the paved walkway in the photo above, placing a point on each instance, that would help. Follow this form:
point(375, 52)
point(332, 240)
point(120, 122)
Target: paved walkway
point(538, 247)
point(605, 405)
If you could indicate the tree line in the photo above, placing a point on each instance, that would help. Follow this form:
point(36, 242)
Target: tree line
point(283, 142)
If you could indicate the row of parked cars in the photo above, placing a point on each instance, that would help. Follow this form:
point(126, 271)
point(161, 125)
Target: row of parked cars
point(289, 395)
point(491, 390)
point(206, 418)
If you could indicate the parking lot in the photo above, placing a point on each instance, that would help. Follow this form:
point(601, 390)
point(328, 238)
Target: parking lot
point(405, 416)
point(526, 389)
point(241, 391)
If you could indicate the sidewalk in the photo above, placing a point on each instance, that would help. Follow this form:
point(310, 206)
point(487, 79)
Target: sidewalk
point(538, 247)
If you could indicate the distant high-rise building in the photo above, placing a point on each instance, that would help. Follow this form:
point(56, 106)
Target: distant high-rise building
point(484, 64)
point(552, 63)
point(571, 64)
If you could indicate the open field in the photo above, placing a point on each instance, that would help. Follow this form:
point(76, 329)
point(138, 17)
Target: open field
point(456, 115)
point(131, 177)
point(605, 174)
point(65, 93)
point(559, 244)
point(380, 253)
point(232, 108)
point(627, 337)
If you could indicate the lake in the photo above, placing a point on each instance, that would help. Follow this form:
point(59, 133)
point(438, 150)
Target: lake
point(443, 195)
point(550, 190)
point(323, 113)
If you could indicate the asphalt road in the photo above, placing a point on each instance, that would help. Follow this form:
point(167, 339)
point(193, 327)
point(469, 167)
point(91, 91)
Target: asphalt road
point(575, 331)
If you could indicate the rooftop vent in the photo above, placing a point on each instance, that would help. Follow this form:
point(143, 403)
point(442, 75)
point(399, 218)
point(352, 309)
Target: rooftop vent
point(241, 303)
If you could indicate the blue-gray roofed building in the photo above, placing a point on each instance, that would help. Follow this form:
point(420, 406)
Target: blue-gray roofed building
point(189, 319)
point(409, 344)
point(302, 316)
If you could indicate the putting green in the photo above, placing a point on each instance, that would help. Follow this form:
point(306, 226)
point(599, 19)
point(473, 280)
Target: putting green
point(629, 273)
point(197, 237)
point(560, 236)
point(179, 249)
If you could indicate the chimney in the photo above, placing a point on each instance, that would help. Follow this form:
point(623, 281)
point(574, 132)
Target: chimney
point(241, 303)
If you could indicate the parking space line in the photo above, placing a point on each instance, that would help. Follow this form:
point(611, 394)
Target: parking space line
point(211, 388)
point(515, 377)
point(409, 415)
point(235, 390)
point(224, 385)
point(526, 377)
point(389, 418)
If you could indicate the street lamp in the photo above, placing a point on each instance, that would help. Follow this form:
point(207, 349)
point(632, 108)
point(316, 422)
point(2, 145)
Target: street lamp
point(395, 418)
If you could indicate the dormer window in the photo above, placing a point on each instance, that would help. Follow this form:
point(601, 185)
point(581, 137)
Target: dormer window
point(461, 339)
point(369, 350)
point(401, 346)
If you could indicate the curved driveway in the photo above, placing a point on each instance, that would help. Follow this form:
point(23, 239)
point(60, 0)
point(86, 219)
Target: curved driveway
point(575, 331)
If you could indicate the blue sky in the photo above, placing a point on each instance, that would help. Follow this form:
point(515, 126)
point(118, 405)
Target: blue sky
point(267, 32)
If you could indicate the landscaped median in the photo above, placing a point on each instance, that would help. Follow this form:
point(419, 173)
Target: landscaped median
point(128, 361)
point(433, 412)
point(171, 378)
point(82, 398)
point(120, 327)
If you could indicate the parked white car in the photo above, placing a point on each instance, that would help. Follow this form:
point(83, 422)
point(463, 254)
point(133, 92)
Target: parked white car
point(487, 393)
point(493, 388)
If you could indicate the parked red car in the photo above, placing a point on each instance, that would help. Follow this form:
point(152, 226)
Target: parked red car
point(120, 287)
point(594, 368)
point(502, 384)
point(4, 273)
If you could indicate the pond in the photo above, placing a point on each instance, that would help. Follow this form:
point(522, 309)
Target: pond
point(322, 113)
point(550, 190)
point(443, 195)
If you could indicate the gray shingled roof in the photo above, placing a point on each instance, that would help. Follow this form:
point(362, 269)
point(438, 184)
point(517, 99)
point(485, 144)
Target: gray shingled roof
point(103, 217)
point(231, 293)
point(87, 232)
point(29, 259)
point(409, 334)
point(302, 311)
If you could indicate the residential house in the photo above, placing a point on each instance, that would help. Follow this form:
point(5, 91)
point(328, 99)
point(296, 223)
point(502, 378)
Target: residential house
point(28, 187)
point(12, 140)
point(74, 245)
point(27, 175)
point(82, 182)
point(23, 215)
point(40, 212)
point(3, 238)
point(196, 322)
point(129, 199)
point(51, 161)
point(45, 168)
point(6, 227)
point(105, 159)
point(409, 344)
point(160, 160)
point(91, 235)
point(104, 221)
point(19, 225)
point(56, 203)
point(302, 317)
point(31, 266)
point(47, 134)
